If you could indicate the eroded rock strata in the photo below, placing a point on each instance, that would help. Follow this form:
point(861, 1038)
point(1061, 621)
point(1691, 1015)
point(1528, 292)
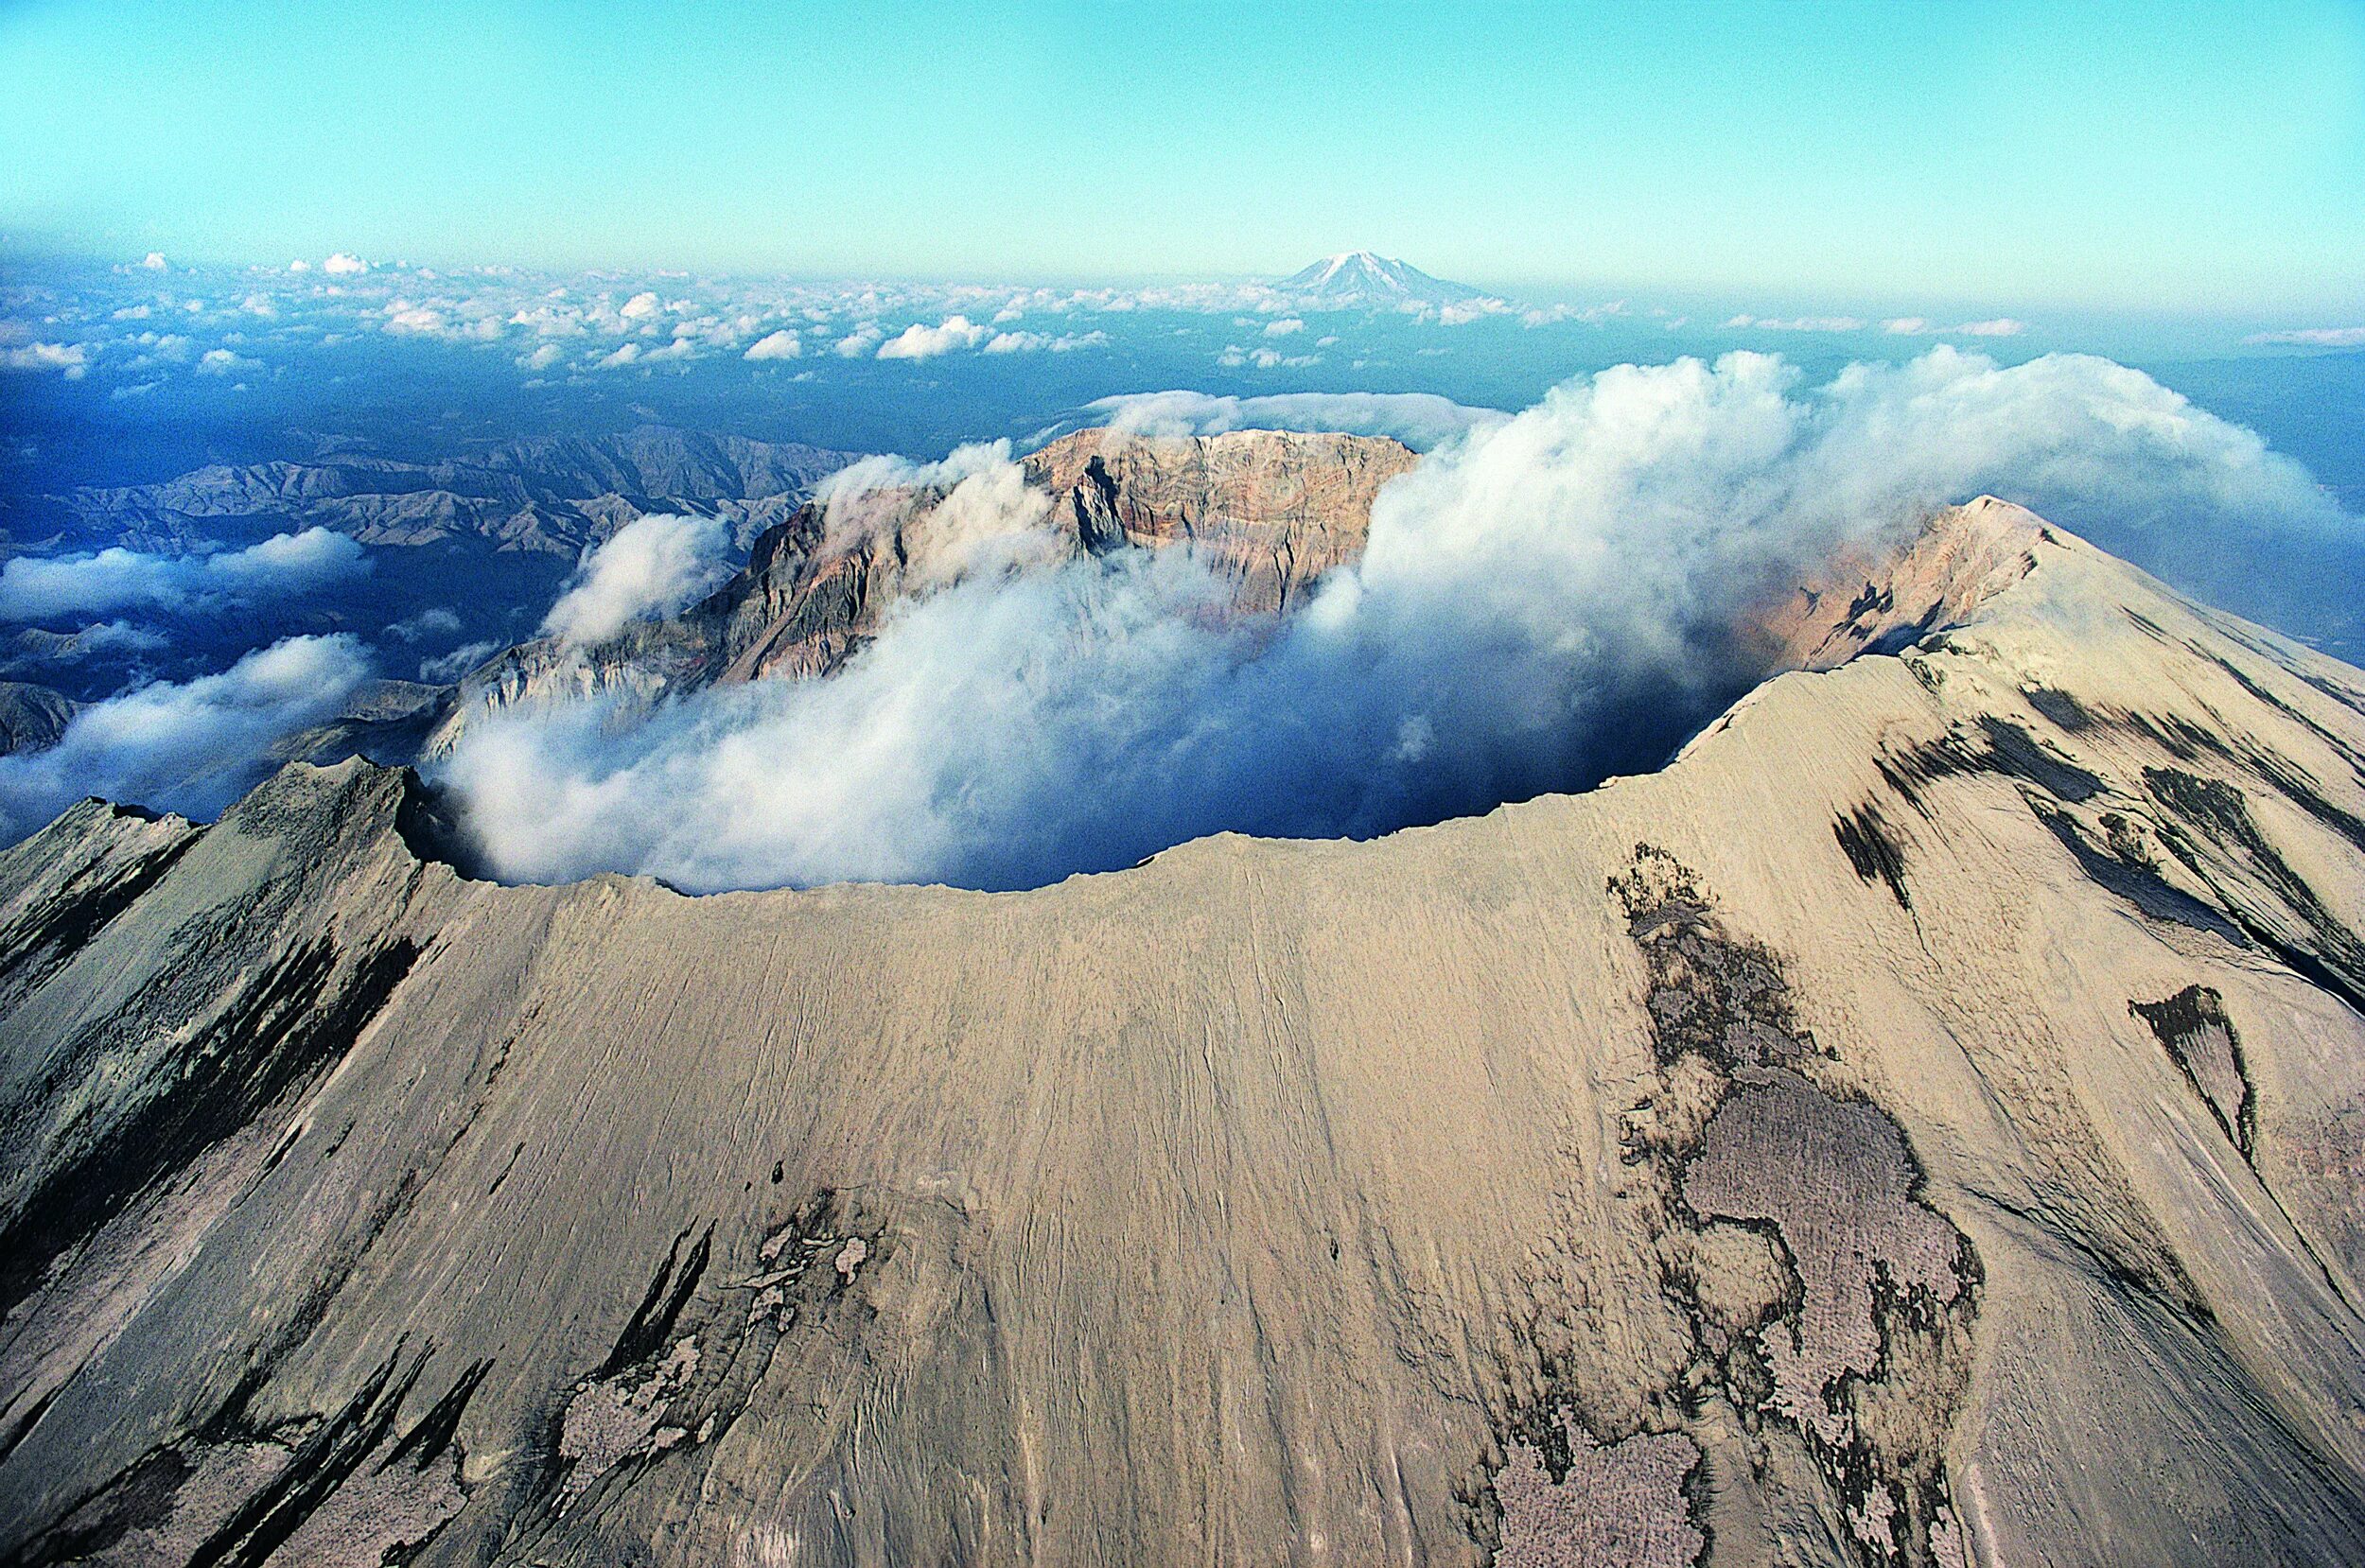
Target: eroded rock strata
point(1920, 1124)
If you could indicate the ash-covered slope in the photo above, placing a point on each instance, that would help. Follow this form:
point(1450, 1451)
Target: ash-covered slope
point(1922, 1123)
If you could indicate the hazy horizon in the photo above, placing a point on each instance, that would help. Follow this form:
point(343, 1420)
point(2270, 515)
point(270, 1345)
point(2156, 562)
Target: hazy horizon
point(2208, 160)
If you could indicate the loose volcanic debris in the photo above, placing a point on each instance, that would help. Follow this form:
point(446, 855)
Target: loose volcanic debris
point(47, 933)
point(1996, 746)
point(1851, 1338)
point(2192, 1027)
point(1870, 844)
point(337, 1491)
point(1617, 1505)
point(2212, 815)
point(685, 1368)
point(275, 1031)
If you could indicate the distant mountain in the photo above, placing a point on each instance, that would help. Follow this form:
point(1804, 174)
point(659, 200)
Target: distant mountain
point(1360, 278)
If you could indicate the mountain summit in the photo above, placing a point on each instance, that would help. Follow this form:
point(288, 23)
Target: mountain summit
point(1360, 278)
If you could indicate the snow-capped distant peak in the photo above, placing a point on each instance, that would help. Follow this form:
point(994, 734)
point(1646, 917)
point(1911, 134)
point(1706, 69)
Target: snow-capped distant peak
point(1360, 277)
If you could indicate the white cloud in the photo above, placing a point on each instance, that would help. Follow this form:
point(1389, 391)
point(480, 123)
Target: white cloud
point(782, 344)
point(926, 342)
point(68, 358)
point(624, 355)
point(1285, 327)
point(299, 265)
point(435, 621)
point(1796, 324)
point(154, 261)
point(1921, 326)
point(1036, 342)
point(342, 265)
point(651, 566)
point(1420, 419)
point(402, 315)
point(1463, 312)
point(52, 587)
point(640, 307)
point(222, 361)
point(542, 357)
point(1234, 356)
point(442, 668)
point(1550, 598)
point(858, 343)
point(1552, 314)
point(191, 746)
point(2320, 337)
point(117, 638)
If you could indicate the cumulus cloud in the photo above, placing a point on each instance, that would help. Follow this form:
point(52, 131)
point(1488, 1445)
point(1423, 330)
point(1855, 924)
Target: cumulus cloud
point(1463, 312)
point(1544, 600)
point(651, 566)
point(344, 265)
point(2316, 336)
point(782, 344)
point(190, 746)
point(222, 361)
point(926, 342)
point(1420, 419)
point(154, 261)
point(858, 343)
point(1263, 359)
point(1284, 327)
point(58, 587)
point(68, 358)
point(638, 308)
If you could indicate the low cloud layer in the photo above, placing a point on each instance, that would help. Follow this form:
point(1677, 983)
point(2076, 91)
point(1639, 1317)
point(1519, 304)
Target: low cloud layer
point(926, 342)
point(190, 746)
point(62, 588)
point(651, 566)
point(1420, 419)
point(2314, 337)
point(1544, 600)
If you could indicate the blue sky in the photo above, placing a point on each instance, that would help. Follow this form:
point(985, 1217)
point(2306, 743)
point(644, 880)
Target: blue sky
point(2195, 158)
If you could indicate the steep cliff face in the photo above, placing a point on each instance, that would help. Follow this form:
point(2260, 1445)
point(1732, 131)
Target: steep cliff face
point(1272, 510)
point(1269, 511)
point(1922, 1124)
point(32, 716)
